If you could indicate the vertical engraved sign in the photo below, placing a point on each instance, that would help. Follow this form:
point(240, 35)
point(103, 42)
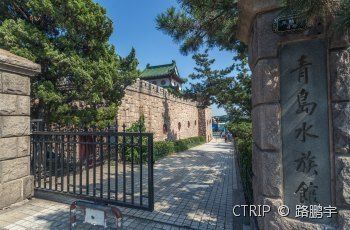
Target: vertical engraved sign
point(305, 131)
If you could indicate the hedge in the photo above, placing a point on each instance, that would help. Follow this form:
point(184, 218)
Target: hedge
point(160, 148)
point(242, 133)
point(164, 148)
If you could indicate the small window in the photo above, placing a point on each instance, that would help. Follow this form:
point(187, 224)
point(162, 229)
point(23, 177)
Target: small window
point(163, 82)
point(195, 122)
point(188, 124)
point(165, 129)
point(179, 125)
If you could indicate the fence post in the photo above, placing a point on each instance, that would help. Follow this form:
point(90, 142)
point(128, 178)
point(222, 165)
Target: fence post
point(150, 173)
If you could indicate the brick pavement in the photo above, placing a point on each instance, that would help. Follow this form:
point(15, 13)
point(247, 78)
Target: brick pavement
point(193, 190)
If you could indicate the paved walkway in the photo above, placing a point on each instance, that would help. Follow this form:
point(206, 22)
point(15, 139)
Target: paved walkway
point(193, 190)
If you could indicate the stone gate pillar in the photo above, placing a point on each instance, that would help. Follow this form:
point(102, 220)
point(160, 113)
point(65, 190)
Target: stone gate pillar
point(16, 183)
point(301, 115)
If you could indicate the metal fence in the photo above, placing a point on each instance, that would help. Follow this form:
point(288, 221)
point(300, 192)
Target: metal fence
point(100, 165)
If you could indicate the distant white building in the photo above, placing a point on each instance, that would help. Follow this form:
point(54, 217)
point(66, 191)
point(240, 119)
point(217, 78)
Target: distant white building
point(163, 75)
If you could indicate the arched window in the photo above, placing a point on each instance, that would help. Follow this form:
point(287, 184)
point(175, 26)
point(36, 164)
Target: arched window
point(179, 125)
point(165, 129)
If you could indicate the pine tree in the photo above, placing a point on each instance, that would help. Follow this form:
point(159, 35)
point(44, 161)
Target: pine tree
point(209, 23)
point(205, 22)
point(80, 69)
point(326, 9)
point(207, 84)
point(211, 86)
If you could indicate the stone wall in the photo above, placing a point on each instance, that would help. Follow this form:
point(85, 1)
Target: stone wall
point(340, 99)
point(16, 183)
point(205, 123)
point(167, 116)
point(264, 45)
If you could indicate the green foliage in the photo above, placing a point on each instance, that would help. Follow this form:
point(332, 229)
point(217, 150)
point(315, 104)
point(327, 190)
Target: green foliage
point(344, 15)
point(138, 125)
point(82, 78)
point(242, 133)
point(238, 104)
point(133, 154)
point(311, 7)
point(215, 23)
point(325, 9)
point(220, 87)
point(212, 23)
point(208, 85)
point(184, 144)
point(175, 91)
point(162, 149)
point(205, 22)
point(135, 128)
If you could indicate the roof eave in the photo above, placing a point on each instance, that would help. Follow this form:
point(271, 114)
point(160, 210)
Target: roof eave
point(154, 77)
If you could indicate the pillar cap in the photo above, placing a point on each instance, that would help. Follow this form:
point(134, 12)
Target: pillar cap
point(248, 9)
point(16, 64)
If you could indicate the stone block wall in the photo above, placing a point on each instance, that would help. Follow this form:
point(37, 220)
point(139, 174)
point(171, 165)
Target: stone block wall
point(264, 44)
point(205, 123)
point(167, 116)
point(16, 183)
point(340, 105)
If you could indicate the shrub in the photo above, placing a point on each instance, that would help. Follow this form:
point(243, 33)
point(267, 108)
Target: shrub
point(136, 127)
point(184, 144)
point(160, 148)
point(164, 148)
point(242, 132)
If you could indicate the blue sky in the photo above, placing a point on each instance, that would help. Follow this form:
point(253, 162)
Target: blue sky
point(135, 26)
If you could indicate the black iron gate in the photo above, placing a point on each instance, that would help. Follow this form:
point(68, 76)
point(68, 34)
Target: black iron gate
point(100, 165)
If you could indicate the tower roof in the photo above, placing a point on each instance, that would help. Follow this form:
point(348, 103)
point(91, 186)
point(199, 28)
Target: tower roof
point(161, 71)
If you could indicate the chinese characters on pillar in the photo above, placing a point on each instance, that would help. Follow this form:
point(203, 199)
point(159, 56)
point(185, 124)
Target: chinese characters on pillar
point(307, 193)
point(304, 125)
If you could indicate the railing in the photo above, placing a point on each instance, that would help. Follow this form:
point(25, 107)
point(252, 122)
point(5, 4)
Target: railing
point(101, 165)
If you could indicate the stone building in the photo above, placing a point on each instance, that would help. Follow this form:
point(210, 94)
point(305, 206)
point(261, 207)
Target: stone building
point(166, 115)
point(163, 75)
